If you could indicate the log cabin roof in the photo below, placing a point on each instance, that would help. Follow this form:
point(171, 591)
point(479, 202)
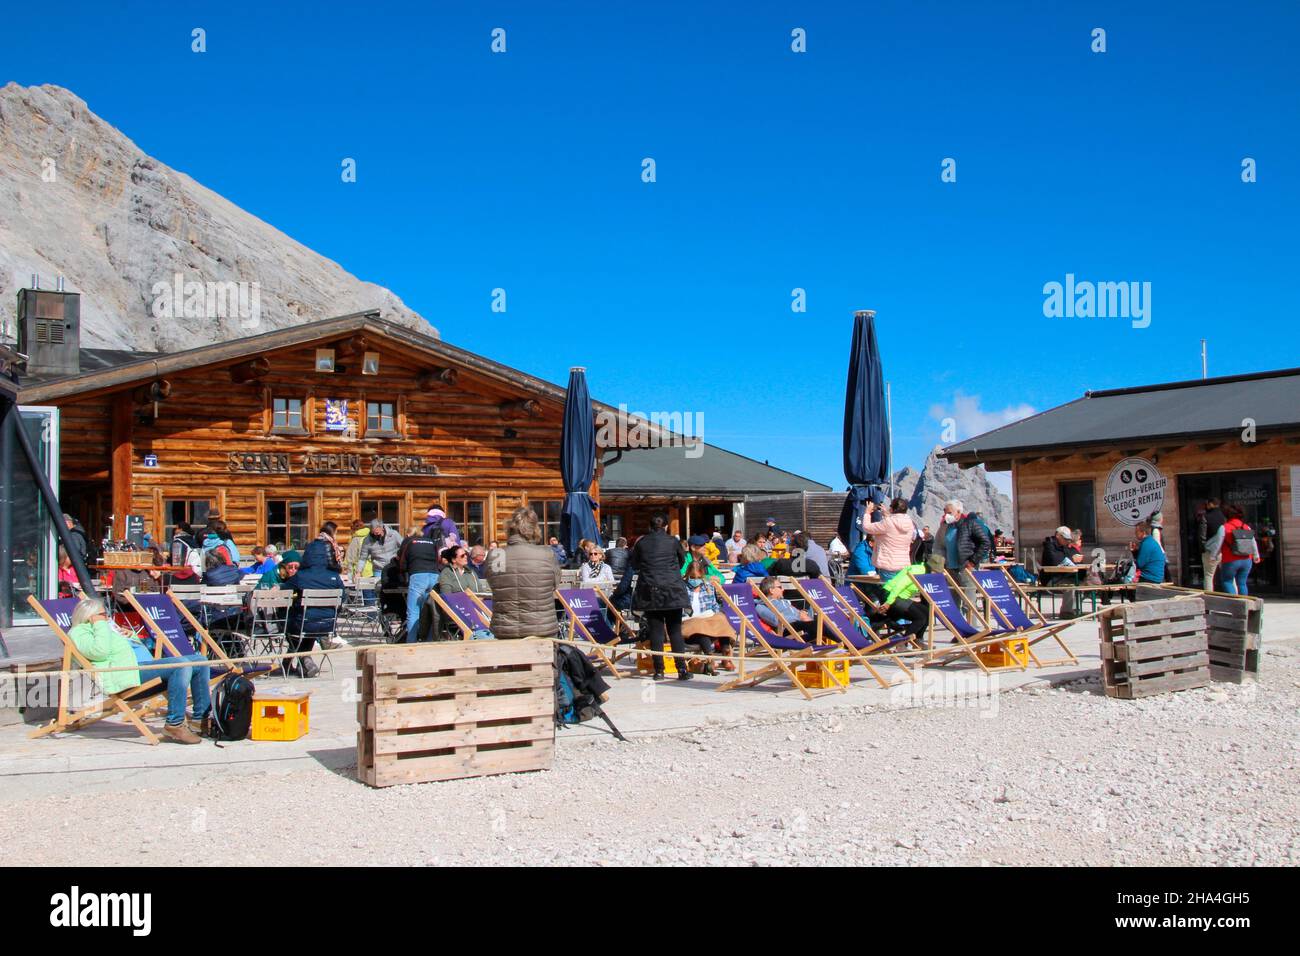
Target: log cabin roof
point(1177, 412)
point(716, 471)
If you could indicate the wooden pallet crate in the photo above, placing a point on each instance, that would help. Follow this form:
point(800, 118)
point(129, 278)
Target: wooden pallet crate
point(1234, 626)
point(456, 709)
point(1154, 647)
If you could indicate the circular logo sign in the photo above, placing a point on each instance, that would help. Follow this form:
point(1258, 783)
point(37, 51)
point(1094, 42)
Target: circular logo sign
point(1135, 490)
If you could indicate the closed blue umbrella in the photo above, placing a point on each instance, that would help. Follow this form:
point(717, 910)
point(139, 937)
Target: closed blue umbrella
point(866, 429)
point(577, 464)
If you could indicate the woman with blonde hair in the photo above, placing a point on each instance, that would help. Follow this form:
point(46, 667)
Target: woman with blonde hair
point(101, 643)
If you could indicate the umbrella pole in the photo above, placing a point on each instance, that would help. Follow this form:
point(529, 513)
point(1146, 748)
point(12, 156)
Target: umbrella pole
point(889, 451)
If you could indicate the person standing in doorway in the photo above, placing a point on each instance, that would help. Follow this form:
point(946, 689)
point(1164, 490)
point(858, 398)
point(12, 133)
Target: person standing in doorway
point(1209, 537)
point(1239, 552)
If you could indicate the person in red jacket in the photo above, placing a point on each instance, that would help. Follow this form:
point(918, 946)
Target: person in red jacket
point(1239, 553)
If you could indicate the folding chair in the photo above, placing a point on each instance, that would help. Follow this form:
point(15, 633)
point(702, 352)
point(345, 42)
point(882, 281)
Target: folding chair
point(780, 649)
point(357, 611)
point(941, 593)
point(268, 611)
point(1005, 595)
point(463, 611)
point(582, 606)
point(163, 613)
point(313, 598)
point(134, 703)
point(222, 610)
point(848, 627)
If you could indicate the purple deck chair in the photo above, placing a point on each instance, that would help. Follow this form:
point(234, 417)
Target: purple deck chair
point(464, 612)
point(1004, 597)
point(742, 612)
point(936, 589)
point(160, 609)
point(742, 596)
point(584, 609)
point(854, 600)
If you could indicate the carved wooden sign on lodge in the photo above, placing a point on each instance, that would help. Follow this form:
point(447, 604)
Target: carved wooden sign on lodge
point(313, 463)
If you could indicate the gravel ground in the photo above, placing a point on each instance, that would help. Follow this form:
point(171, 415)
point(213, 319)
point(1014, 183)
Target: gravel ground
point(1055, 776)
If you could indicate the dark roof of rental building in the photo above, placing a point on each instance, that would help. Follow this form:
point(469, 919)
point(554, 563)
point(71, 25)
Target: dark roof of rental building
point(667, 470)
point(1137, 417)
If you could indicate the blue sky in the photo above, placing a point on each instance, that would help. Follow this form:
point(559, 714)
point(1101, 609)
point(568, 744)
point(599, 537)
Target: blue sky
point(775, 170)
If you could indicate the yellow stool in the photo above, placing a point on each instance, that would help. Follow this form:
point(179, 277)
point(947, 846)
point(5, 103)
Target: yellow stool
point(645, 663)
point(280, 713)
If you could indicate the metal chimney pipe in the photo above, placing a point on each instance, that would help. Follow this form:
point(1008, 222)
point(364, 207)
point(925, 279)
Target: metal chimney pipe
point(36, 281)
point(59, 284)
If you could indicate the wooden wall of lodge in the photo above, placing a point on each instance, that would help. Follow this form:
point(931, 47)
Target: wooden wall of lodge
point(460, 429)
point(1038, 510)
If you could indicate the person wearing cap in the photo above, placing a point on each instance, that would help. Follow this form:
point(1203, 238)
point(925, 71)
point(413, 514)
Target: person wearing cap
point(1058, 553)
point(275, 577)
point(698, 543)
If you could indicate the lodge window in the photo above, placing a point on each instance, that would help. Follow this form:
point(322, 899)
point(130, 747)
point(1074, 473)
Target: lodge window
point(548, 515)
point(1078, 508)
point(176, 510)
point(381, 418)
point(286, 415)
point(470, 519)
point(288, 523)
point(387, 510)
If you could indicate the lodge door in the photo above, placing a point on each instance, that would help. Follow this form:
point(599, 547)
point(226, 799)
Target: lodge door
point(1255, 493)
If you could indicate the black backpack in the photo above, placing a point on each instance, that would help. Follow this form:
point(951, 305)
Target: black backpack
point(579, 690)
point(232, 708)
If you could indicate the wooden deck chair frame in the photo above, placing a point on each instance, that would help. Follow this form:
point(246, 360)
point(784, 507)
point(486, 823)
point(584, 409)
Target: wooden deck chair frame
point(598, 649)
point(867, 601)
point(1047, 629)
point(966, 646)
point(860, 654)
point(206, 642)
point(209, 644)
point(780, 660)
point(466, 631)
point(134, 703)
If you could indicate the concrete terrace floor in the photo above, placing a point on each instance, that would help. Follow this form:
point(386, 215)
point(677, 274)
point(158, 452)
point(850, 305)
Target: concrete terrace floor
point(111, 756)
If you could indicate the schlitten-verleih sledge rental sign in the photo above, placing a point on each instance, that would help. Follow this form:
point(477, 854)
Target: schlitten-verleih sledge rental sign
point(1135, 490)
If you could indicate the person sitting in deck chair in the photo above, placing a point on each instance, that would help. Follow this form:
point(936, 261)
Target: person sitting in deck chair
point(900, 604)
point(100, 641)
point(705, 623)
point(801, 621)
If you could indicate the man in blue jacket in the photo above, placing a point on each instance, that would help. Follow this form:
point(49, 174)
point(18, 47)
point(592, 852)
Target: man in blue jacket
point(314, 573)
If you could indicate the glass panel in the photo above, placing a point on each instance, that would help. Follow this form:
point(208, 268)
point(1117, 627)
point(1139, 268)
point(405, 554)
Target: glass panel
point(386, 510)
point(1077, 508)
point(287, 524)
point(176, 510)
point(379, 416)
point(548, 514)
point(286, 412)
point(1255, 493)
point(31, 535)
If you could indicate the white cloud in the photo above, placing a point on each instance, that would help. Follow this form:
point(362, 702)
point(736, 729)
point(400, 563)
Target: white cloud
point(970, 419)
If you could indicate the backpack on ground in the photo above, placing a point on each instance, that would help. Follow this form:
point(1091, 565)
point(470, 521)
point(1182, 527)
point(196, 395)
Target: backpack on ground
point(579, 690)
point(232, 708)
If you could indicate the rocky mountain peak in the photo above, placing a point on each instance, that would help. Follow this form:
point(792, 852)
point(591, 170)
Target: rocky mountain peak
point(81, 200)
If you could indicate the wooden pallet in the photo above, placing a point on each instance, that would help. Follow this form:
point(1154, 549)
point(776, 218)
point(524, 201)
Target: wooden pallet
point(455, 709)
point(1234, 624)
point(1154, 647)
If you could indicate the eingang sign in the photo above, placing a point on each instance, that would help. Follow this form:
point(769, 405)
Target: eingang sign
point(1135, 490)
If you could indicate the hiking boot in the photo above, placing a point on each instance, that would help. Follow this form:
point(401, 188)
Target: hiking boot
point(200, 725)
point(180, 734)
point(659, 675)
point(684, 675)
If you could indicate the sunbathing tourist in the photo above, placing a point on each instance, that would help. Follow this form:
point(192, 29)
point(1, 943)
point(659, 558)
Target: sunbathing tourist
point(785, 612)
point(101, 643)
point(900, 604)
point(705, 625)
point(289, 564)
point(594, 570)
point(891, 537)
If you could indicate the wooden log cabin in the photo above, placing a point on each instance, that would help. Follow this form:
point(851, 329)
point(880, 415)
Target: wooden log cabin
point(1236, 438)
point(343, 418)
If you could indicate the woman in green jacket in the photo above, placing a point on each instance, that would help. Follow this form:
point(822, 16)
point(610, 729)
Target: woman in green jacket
point(101, 643)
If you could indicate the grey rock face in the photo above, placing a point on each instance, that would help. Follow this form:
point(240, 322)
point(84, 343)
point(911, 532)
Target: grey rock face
point(79, 199)
point(940, 481)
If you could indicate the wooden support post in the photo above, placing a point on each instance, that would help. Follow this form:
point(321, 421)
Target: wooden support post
point(123, 461)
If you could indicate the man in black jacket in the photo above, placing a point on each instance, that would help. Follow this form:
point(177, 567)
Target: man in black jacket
point(1058, 552)
point(974, 546)
point(1209, 536)
point(616, 557)
point(421, 562)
